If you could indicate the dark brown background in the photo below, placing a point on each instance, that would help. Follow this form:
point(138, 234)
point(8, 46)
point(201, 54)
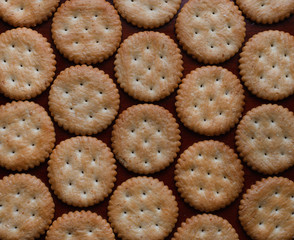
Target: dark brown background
point(188, 137)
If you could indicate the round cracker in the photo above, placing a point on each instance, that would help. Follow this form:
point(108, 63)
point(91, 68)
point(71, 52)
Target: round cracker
point(23, 13)
point(212, 31)
point(27, 135)
point(266, 12)
point(80, 225)
point(145, 138)
point(82, 171)
point(86, 31)
point(267, 65)
point(147, 13)
point(209, 175)
point(266, 211)
point(265, 138)
point(26, 207)
point(142, 208)
point(206, 227)
point(205, 99)
point(148, 66)
point(83, 100)
point(27, 63)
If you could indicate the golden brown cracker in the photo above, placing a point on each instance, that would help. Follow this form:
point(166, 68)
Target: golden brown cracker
point(266, 211)
point(264, 138)
point(86, 31)
point(82, 171)
point(142, 208)
point(83, 100)
point(267, 65)
point(145, 138)
point(27, 135)
point(80, 225)
point(206, 227)
point(148, 66)
point(212, 31)
point(27, 63)
point(210, 100)
point(26, 207)
point(209, 175)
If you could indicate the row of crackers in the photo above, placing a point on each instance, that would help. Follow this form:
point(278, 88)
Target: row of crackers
point(146, 137)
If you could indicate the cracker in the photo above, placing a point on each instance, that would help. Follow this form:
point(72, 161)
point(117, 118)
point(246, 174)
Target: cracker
point(27, 135)
point(22, 13)
point(82, 171)
point(149, 66)
point(80, 225)
point(26, 207)
point(209, 175)
point(142, 208)
point(211, 31)
point(27, 63)
point(265, 138)
point(267, 65)
point(266, 12)
point(83, 100)
point(206, 227)
point(147, 13)
point(145, 138)
point(266, 211)
point(205, 99)
point(86, 31)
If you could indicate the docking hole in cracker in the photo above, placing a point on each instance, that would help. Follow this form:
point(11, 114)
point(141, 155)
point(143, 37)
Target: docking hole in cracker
point(26, 207)
point(83, 100)
point(145, 138)
point(86, 31)
point(210, 100)
point(27, 135)
point(142, 208)
point(209, 175)
point(27, 63)
point(148, 66)
point(211, 31)
point(82, 171)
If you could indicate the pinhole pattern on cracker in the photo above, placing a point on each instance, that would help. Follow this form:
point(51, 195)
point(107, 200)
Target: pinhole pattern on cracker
point(266, 12)
point(142, 208)
point(209, 175)
point(266, 211)
point(210, 100)
point(212, 31)
point(26, 207)
point(264, 138)
point(83, 100)
point(82, 171)
point(145, 138)
point(147, 13)
point(27, 135)
point(267, 65)
point(86, 31)
point(23, 13)
point(80, 225)
point(206, 227)
point(27, 63)
point(148, 66)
